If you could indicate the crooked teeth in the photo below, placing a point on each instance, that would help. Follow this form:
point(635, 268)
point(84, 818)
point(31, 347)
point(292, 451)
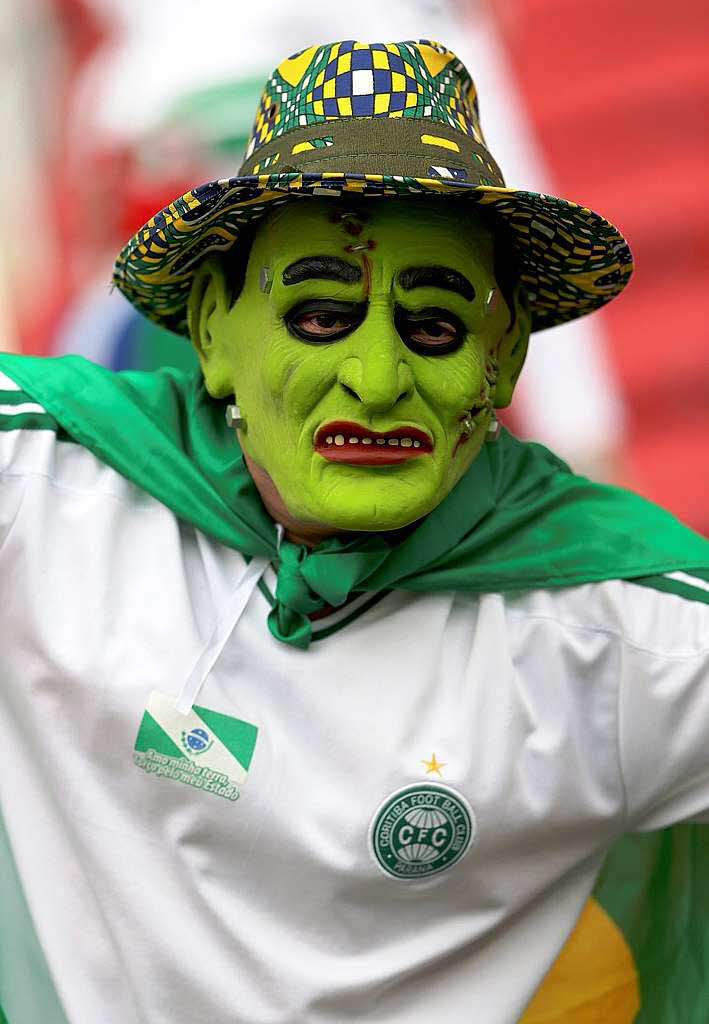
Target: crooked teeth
point(340, 440)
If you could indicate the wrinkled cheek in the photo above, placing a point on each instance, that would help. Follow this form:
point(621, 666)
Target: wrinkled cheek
point(453, 384)
point(261, 409)
point(276, 368)
point(442, 471)
point(456, 393)
point(302, 382)
point(271, 396)
point(450, 399)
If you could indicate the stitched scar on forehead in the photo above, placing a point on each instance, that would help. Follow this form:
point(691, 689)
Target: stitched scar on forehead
point(437, 277)
point(321, 268)
point(352, 222)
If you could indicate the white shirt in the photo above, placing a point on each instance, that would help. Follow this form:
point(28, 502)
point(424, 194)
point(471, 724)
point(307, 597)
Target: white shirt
point(559, 719)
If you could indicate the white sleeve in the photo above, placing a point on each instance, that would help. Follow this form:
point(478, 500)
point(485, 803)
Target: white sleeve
point(663, 714)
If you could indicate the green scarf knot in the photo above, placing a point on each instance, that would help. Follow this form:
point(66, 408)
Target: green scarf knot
point(310, 580)
point(288, 620)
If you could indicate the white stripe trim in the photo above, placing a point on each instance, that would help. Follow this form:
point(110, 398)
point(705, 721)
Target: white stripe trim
point(691, 581)
point(15, 410)
point(8, 384)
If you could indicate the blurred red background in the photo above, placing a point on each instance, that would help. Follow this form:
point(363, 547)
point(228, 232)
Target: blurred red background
point(618, 92)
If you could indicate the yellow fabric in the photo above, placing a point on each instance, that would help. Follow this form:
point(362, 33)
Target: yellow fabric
point(438, 140)
point(593, 980)
point(294, 68)
point(434, 60)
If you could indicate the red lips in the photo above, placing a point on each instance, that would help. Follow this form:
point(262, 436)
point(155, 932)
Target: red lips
point(335, 442)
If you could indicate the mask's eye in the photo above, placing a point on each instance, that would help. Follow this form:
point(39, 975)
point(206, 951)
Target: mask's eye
point(322, 320)
point(429, 331)
point(322, 325)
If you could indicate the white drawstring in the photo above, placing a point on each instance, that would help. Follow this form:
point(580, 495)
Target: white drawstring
point(226, 622)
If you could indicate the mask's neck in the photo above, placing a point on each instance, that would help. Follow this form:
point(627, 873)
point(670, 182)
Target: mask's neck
point(296, 532)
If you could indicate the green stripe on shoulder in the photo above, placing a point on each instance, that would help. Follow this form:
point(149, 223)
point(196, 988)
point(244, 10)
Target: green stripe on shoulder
point(681, 588)
point(15, 398)
point(701, 574)
point(29, 421)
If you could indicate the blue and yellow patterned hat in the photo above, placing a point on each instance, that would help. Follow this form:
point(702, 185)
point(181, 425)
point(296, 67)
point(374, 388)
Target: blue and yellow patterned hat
point(381, 120)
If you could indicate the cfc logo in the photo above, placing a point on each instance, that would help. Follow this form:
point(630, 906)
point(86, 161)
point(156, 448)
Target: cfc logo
point(421, 830)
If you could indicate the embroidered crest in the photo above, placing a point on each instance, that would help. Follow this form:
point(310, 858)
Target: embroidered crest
point(421, 830)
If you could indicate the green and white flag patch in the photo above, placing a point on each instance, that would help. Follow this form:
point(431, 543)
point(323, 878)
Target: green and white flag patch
point(204, 749)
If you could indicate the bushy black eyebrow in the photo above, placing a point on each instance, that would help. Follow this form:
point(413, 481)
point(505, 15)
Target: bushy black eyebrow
point(321, 268)
point(436, 277)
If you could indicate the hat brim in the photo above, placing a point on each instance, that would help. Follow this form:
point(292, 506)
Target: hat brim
point(571, 260)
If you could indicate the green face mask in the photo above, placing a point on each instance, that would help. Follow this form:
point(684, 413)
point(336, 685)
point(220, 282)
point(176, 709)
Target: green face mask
point(366, 350)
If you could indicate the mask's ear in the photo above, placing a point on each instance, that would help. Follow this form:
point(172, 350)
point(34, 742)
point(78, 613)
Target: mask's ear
point(513, 348)
point(207, 307)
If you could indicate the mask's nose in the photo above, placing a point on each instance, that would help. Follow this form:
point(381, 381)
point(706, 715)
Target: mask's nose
point(378, 374)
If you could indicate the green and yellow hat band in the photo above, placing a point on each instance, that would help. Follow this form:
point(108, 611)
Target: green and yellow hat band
point(374, 120)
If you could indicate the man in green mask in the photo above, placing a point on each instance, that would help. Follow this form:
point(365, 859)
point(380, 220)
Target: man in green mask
point(367, 370)
point(325, 698)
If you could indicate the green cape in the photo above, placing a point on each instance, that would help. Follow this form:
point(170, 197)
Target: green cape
point(518, 519)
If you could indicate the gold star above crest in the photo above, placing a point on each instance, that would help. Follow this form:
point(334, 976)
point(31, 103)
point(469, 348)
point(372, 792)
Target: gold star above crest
point(433, 765)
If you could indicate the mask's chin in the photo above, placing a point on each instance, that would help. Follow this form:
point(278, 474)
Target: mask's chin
point(368, 521)
point(354, 506)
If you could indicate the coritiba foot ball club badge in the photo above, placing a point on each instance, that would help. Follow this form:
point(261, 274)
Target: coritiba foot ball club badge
point(421, 830)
